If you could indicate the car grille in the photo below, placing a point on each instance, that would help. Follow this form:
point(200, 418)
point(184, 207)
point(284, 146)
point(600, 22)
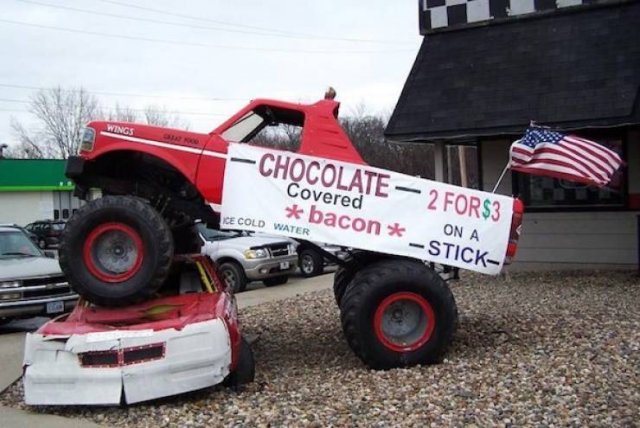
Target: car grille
point(37, 288)
point(46, 293)
point(43, 281)
point(123, 357)
point(278, 250)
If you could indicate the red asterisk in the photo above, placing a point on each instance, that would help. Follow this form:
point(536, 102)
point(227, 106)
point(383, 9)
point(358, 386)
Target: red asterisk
point(294, 211)
point(395, 229)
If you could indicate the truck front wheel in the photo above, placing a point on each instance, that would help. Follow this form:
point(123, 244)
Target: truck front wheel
point(398, 313)
point(116, 251)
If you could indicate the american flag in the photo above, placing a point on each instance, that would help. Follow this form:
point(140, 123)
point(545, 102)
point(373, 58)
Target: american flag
point(553, 154)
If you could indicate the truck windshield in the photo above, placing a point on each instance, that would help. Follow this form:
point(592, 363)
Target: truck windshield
point(244, 128)
point(17, 244)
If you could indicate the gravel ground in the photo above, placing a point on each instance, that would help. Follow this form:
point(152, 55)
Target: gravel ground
point(533, 349)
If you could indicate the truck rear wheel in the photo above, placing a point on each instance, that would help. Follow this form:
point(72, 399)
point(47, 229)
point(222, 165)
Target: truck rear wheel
point(116, 251)
point(341, 279)
point(398, 313)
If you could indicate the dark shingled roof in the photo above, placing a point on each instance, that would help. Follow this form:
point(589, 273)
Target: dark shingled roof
point(568, 70)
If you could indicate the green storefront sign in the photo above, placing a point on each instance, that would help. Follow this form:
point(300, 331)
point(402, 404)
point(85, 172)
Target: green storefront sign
point(33, 175)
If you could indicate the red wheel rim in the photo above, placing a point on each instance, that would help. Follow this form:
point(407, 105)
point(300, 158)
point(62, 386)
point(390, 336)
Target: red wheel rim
point(113, 252)
point(404, 321)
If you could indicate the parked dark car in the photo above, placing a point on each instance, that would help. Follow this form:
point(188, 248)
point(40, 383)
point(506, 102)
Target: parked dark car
point(47, 231)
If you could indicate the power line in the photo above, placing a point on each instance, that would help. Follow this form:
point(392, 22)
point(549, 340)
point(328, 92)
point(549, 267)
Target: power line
point(125, 94)
point(271, 30)
point(190, 113)
point(14, 110)
point(200, 45)
point(200, 27)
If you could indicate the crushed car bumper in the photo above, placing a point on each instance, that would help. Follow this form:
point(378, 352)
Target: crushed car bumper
point(129, 366)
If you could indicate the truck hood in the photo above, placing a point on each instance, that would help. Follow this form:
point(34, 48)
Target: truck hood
point(109, 132)
point(28, 267)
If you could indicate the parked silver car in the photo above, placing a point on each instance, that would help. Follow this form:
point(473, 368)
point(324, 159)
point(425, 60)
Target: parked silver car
point(244, 257)
point(30, 282)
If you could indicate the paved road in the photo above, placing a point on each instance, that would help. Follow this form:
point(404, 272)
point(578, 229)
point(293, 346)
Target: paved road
point(12, 346)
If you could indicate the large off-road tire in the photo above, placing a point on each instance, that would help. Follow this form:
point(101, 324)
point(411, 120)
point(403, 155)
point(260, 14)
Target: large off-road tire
point(233, 275)
point(341, 279)
point(398, 313)
point(116, 251)
point(311, 263)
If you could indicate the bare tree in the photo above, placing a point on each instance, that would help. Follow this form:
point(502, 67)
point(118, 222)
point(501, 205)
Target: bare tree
point(151, 115)
point(366, 131)
point(121, 114)
point(60, 114)
point(159, 116)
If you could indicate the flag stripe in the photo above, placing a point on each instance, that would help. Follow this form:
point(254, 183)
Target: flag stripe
point(527, 155)
point(559, 165)
point(600, 154)
point(549, 153)
point(603, 167)
point(585, 167)
point(614, 158)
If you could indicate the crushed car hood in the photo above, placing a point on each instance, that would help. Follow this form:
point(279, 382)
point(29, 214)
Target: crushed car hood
point(28, 267)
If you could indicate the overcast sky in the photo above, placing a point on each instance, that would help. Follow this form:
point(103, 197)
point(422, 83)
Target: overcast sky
point(205, 58)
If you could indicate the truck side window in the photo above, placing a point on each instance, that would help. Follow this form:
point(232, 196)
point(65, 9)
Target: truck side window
point(283, 130)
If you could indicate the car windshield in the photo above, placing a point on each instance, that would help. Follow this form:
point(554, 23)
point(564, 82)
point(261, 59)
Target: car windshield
point(217, 235)
point(14, 243)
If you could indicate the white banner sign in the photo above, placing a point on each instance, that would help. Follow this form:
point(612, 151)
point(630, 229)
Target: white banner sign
point(359, 206)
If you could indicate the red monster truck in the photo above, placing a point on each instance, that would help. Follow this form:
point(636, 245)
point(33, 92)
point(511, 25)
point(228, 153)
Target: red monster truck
point(117, 250)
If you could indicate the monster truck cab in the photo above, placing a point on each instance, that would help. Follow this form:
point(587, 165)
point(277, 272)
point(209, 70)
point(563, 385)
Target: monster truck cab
point(184, 171)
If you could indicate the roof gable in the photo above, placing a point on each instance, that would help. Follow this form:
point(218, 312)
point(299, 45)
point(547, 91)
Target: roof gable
point(569, 70)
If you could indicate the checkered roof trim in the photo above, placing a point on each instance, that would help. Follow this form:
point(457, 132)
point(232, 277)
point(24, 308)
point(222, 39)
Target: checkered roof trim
point(439, 14)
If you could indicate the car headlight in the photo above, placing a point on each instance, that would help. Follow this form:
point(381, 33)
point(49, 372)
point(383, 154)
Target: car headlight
point(10, 284)
point(292, 248)
point(258, 253)
point(10, 296)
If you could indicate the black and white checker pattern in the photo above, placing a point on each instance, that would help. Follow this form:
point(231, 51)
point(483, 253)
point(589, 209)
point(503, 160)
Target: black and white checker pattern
point(438, 14)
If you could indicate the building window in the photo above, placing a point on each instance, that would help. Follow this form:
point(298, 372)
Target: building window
point(545, 192)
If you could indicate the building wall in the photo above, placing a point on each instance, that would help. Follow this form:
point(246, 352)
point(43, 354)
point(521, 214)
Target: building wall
point(570, 240)
point(25, 207)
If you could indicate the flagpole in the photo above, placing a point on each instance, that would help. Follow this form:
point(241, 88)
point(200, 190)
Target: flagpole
point(504, 171)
